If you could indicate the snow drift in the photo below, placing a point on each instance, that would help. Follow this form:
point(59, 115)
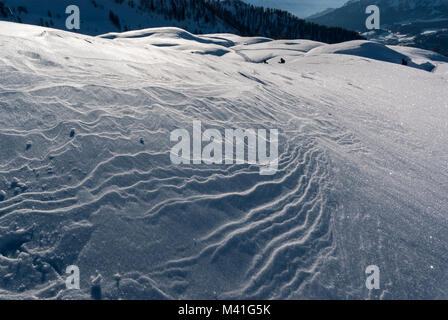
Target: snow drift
point(86, 177)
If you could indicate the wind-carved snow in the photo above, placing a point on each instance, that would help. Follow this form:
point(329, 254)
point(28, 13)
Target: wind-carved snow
point(86, 177)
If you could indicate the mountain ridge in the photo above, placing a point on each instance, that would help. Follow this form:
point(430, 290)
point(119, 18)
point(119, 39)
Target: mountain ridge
point(404, 22)
point(195, 16)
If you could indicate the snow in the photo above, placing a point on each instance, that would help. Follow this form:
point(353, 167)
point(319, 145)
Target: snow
point(362, 176)
point(422, 57)
point(371, 50)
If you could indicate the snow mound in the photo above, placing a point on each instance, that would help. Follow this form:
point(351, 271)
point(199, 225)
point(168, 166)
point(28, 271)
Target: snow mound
point(416, 53)
point(422, 57)
point(163, 33)
point(370, 50)
point(274, 50)
point(255, 50)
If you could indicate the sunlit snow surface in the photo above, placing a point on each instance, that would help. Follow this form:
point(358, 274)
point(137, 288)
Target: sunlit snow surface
point(86, 178)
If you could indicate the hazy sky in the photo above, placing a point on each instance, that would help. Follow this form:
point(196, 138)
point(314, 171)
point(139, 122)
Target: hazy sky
point(301, 8)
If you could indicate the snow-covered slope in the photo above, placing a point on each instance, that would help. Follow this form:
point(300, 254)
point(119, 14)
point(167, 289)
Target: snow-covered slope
point(376, 51)
point(86, 177)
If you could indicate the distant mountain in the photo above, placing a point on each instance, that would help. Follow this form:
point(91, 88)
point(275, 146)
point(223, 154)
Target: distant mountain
point(421, 23)
point(320, 14)
point(196, 16)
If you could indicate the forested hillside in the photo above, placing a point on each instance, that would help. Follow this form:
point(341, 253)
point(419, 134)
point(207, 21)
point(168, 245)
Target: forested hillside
point(196, 16)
